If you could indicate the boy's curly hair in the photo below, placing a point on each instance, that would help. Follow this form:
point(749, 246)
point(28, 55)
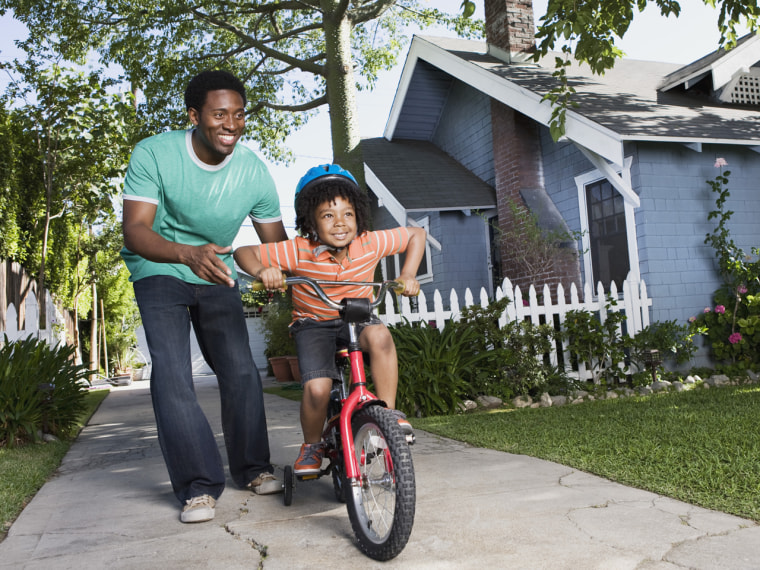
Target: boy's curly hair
point(319, 193)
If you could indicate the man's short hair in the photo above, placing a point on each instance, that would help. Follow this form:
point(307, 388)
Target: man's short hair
point(212, 80)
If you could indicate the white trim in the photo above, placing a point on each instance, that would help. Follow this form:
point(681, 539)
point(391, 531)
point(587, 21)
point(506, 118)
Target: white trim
point(389, 201)
point(621, 183)
point(430, 239)
point(599, 139)
point(424, 223)
point(581, 182)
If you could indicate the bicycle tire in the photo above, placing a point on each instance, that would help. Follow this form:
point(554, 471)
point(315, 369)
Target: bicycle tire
point(382, 509)
point(289, 484)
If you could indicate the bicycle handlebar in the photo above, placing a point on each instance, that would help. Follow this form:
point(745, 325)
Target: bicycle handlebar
point(316, 284)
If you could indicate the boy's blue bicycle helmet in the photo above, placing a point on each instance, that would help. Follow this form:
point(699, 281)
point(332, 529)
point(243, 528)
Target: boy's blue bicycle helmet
point(323, 173)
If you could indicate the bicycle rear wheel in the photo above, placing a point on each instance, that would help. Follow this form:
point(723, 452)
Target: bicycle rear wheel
point(381, 510)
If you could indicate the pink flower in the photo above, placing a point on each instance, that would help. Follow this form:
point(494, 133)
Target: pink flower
point(735, 338)
point(525, 303)
point(741, 289)
point(720, 162)
point(692, 319)
point(720, 309)
point(707, 310)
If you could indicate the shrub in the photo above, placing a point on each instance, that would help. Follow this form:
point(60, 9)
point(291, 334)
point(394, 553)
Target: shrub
point(41, 390)
point(732, 325)
point(435, 367)
point(673, 342)
point(512, 363)
point(597, 345)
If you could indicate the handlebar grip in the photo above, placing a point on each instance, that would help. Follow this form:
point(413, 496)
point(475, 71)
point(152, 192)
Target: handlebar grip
point(259, 286)
point(400, 286)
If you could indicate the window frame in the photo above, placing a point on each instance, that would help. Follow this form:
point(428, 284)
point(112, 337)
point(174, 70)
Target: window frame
point(581, 182)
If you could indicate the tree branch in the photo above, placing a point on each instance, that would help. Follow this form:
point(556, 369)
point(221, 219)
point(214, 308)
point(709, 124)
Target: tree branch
point(308, 106)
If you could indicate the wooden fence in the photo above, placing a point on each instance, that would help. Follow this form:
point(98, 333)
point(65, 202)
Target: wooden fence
point(19, 311)
point(538, 309)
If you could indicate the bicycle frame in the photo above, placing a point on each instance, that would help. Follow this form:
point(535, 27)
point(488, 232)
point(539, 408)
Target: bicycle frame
point(358, 394)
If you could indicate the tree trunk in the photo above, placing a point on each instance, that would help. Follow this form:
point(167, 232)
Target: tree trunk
point(341, 90)
point(94, 332)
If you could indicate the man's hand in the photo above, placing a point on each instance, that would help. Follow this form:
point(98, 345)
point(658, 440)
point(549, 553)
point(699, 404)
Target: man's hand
point(205, 262)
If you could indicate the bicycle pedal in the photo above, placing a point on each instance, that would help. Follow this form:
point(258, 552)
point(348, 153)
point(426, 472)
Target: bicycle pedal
point(308, 477)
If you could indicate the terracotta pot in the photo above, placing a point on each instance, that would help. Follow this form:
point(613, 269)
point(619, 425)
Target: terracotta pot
point(281, 368)
point(294, 369)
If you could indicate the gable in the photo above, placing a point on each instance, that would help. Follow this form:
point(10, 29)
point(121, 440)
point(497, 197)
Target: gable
point(625, 104)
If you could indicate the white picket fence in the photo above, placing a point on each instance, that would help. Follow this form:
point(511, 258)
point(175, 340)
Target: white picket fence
point(633, 302)
point(52, 334)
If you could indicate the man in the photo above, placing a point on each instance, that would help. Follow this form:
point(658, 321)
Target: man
point(186, 194)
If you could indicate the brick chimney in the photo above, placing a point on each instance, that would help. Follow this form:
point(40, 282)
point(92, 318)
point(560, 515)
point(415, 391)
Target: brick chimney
point(510, 29)
point(517, 152)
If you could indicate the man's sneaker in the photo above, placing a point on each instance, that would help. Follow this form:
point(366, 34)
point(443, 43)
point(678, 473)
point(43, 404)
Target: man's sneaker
point(198, 509)
point(309, 459)
point(265, 484)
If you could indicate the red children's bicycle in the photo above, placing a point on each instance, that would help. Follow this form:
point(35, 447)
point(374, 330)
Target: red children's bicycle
point(369, 457)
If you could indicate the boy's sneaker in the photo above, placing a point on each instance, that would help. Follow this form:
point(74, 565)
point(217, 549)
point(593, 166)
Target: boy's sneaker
point(198, 509)
point(309, 459)
point(403, 423)
point(265, 484)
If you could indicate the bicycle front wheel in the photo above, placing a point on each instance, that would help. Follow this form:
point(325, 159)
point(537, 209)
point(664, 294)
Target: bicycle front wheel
point(381, 508)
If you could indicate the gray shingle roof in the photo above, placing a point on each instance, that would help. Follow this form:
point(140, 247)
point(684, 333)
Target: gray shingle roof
point(424, 178)
point(625, 99)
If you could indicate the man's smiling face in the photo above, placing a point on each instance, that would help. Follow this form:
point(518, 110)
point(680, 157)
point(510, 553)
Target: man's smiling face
point(219, 125)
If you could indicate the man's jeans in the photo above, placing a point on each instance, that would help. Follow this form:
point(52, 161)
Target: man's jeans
point(167, 306)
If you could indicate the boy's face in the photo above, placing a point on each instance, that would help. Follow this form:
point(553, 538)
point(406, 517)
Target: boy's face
point(335, 222)
point(219, 125)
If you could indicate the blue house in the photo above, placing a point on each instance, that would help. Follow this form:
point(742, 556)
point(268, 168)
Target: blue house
point(468, 140)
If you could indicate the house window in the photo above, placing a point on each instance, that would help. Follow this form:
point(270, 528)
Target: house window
point(391, 266)
point(608, 237)
point(608, 228)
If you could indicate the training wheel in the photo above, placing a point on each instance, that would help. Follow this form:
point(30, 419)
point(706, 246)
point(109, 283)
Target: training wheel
point(289, 483)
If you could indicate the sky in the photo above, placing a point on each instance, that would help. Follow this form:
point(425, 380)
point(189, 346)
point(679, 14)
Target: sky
point(651, 37)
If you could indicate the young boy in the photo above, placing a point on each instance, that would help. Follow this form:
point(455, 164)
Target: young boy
point(334, 244)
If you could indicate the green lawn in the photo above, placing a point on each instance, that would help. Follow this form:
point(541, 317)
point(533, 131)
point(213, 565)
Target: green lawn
point(24, 469)
point(700, 446)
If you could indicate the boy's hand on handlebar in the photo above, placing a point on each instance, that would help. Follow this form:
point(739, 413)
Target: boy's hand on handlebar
point(272, 278)
point(411, 285)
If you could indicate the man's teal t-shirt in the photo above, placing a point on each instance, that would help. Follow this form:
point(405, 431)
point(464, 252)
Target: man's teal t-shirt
point(197, 203)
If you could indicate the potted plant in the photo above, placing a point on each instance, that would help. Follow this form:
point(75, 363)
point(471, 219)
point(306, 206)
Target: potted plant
point(279, 344)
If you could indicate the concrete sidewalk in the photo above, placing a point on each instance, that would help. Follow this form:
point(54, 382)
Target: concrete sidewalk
point(111, 506)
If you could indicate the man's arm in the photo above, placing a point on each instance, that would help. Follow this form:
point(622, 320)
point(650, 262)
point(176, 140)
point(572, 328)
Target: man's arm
point(271, 231)
point(139, 238)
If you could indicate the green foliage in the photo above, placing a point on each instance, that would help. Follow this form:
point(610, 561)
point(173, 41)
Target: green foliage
point(67, 151)
point(674, 343)
point(41, 389)
point(24, 469)
point(435, 367)
point(512, 364)
point(277, 316)
point(285, 52)
point(732, 325)
point(599, 346)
